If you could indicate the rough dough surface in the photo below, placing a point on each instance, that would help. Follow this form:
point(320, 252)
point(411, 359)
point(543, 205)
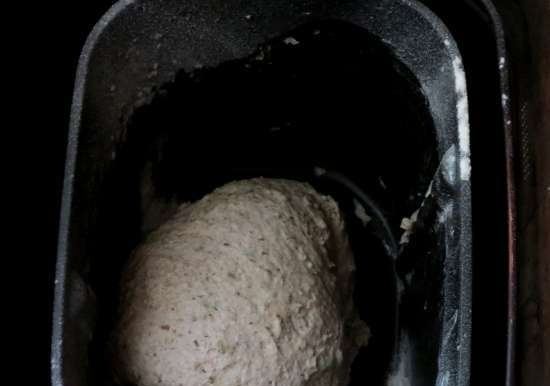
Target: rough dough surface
point(250, 286)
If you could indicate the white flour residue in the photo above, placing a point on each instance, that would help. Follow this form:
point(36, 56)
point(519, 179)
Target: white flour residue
point(462, 118)
point(55, 365)
point(361, 213)
point(446, 168)
point(501, 62)
point(408, 224)
point(504, 100)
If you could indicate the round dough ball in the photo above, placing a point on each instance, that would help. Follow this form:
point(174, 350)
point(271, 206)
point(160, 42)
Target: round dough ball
point(250, 286)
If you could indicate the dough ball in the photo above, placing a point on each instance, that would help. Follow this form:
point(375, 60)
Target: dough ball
point(250, 286)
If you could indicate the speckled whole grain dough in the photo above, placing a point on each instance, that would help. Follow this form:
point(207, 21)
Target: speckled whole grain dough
point(250, 286)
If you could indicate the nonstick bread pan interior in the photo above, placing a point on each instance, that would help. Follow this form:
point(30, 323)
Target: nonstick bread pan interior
point(173, 99)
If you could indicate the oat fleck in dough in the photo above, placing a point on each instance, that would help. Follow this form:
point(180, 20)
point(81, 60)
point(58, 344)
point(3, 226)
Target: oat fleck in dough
point(250, 286)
